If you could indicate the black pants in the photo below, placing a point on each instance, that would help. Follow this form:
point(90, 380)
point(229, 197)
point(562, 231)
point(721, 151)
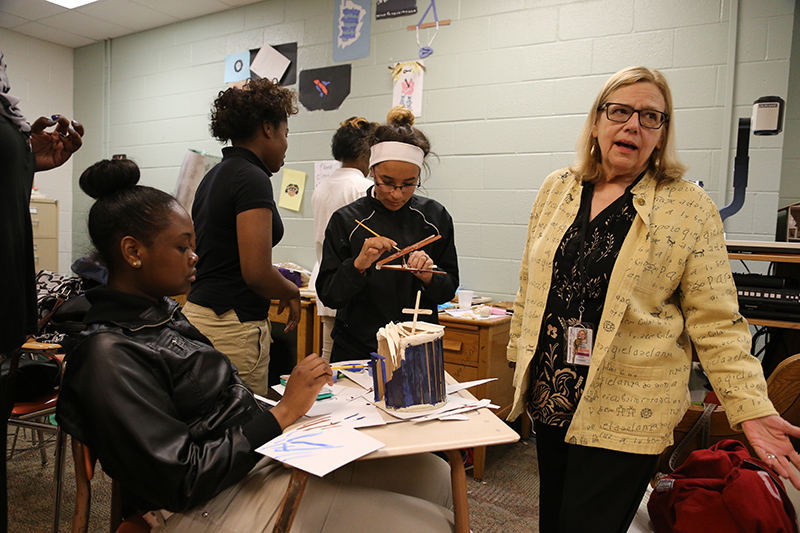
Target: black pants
point(587, 489)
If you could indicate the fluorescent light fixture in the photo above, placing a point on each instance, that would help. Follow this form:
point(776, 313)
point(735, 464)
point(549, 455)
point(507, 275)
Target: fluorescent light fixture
point(71, 4)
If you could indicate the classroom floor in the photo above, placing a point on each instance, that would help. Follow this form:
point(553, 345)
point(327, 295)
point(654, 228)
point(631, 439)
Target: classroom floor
point(505, 501)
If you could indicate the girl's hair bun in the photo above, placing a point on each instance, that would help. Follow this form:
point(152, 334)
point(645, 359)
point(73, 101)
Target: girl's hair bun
point(109, 176)
point(400, 115)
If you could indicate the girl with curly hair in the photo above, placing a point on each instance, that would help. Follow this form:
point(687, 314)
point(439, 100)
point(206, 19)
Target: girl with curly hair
point(237, 224)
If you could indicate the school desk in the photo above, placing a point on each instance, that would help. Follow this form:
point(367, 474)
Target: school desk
point(406, 438)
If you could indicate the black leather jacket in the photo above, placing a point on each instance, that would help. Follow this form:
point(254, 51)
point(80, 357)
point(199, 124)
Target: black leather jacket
point(166, 413)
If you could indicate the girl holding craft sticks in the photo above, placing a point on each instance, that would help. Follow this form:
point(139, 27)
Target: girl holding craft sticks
point(389, 218)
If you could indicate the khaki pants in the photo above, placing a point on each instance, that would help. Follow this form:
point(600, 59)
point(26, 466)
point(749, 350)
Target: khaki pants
point(393, 495)
point(245, 343)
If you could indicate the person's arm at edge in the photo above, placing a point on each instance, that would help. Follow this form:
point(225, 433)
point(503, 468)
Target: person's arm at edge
point(254, 236)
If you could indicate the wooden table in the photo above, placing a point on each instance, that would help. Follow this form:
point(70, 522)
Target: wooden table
point(407, 438)
point(476, 349)
point(473, 349)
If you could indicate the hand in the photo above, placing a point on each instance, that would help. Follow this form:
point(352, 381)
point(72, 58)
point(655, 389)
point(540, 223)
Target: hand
point(422, 261)
point(769, 436)
point(294, 312)
point(302, 389)
point(53, 148)
point(372, 249)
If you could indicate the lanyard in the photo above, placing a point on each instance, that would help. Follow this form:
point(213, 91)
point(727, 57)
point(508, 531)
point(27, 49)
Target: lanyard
point(582, 266)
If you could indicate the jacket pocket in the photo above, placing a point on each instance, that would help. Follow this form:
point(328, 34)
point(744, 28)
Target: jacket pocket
point(633, 399)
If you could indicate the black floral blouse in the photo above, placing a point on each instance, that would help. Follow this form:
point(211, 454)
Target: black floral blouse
point(556, 386)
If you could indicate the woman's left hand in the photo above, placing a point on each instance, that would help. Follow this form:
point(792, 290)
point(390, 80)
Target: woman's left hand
point(53, 148)
point(421, 261)
point(769, 436)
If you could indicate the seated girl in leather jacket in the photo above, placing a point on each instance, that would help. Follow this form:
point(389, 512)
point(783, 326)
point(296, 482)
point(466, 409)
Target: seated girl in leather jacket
point(167, 414)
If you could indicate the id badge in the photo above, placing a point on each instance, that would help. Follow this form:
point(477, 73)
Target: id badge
point(580, 338)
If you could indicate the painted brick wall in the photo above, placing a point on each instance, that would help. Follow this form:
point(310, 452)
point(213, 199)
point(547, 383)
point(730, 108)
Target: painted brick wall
point(506, 92)
point(40, 74)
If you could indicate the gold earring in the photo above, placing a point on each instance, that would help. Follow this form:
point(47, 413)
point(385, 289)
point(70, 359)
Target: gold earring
point(137, 263)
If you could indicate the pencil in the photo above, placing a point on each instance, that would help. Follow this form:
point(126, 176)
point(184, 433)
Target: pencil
point(369, 230)
point(339, 367)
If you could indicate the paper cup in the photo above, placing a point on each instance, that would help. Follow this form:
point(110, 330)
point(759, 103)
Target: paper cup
point(465, 299)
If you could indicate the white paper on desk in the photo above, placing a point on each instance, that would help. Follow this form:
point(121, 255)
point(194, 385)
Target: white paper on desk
point(453, 402)
point(362, 377)
point(455, 387)
point(467, 313)
point(362, 415)
point(320, 452)
point(459, 418)
point(450, 412)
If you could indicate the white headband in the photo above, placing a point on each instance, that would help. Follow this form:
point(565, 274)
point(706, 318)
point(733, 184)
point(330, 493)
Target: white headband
point(395, 151)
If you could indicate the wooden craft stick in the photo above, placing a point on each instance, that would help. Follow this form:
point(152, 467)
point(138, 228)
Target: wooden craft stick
point(409, 269)
point(369, 230)
point(407, 250)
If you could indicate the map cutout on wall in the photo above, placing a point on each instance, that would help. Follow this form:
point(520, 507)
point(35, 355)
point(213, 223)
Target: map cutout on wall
point(324, 88)
point(395, 8)
point(351, 22)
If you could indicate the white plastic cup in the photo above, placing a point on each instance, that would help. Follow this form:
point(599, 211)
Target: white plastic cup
point(465, 298)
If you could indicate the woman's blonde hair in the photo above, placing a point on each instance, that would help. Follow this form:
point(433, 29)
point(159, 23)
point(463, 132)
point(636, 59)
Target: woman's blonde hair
point(664, 162)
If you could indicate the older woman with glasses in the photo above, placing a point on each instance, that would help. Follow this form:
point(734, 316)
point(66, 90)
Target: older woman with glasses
point(389, 218)
point(624, 271)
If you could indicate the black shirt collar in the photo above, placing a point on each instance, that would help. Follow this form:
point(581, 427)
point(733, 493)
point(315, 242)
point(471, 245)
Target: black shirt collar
point(240, 151)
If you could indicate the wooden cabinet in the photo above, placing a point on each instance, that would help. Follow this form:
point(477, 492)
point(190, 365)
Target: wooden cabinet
point(476, 349)
point(44, 221)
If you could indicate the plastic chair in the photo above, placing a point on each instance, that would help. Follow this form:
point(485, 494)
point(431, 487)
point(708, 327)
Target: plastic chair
point(84, 472)
point(30, 415)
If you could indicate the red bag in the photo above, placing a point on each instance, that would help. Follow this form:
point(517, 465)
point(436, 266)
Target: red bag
point(722, 489)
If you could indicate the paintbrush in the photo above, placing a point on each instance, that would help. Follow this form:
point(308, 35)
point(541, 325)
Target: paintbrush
point(369, 230)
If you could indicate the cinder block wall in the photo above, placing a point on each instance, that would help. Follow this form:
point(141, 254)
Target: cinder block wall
point(506, 91)
point(40, 74)
point(790, 172)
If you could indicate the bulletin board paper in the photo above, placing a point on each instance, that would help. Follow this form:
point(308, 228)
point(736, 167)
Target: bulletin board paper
point(292, 188)
point(323, 169)
point(408, 86)
point(269, 63)
point(351, 27)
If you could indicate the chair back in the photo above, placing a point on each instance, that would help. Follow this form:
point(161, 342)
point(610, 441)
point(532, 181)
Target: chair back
point(85, 462)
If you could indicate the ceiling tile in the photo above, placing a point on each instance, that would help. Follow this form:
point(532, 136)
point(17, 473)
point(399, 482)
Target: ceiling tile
point(130, 14)
point(185, 10)
point(80, 24)
point(53, 35)
point(9, 21)
point(30, 9)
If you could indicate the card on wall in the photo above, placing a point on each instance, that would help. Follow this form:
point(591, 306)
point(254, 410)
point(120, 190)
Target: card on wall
point(274, 62)
point(237, 67)
point(395, 8)
point(351, 23)
point(324, 88)
point(407, 92)
point(269, 63)
point(323, 169)
point(292, 188)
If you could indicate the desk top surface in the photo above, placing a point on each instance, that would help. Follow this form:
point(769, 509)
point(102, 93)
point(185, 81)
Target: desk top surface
point(406, 438)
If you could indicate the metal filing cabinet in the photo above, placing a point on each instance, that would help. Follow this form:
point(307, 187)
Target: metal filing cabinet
point(44, 220)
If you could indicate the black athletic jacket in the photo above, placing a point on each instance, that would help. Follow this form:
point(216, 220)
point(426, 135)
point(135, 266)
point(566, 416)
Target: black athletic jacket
point(166, 413)
point(366, 302)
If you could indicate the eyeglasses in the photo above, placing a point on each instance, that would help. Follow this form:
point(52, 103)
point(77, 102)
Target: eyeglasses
point(388, 188)
point(648, 118)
